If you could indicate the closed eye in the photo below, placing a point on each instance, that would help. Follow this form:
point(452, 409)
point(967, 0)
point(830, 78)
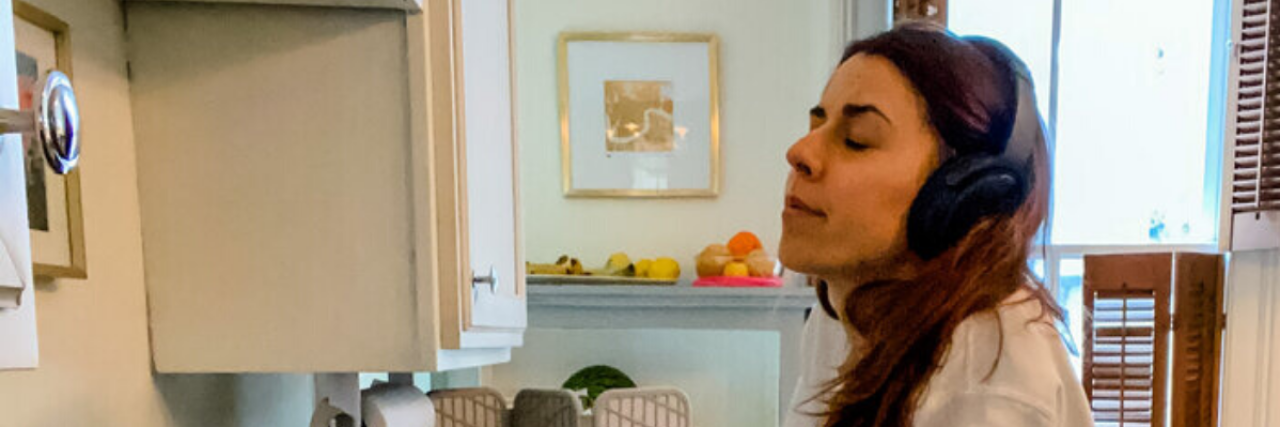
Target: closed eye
point(854, 145)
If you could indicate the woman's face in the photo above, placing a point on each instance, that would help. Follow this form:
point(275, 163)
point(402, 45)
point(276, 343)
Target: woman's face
point(854, 176)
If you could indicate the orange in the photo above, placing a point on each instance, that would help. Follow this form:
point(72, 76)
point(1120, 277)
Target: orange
point(743, 243)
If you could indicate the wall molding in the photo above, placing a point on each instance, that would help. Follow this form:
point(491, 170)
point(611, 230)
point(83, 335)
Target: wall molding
point(1249, 372)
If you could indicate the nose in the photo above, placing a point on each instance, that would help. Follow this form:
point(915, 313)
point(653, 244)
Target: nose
point(805, 156)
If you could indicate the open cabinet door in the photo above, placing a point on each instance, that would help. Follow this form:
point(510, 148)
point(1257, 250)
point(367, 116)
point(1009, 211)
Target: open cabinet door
point(498, 297)
point(18, 347)
point(480, 263)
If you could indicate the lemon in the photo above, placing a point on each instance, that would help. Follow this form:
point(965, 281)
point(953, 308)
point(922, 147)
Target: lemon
point(664, 268)
point(737, 269)
point(642, 267)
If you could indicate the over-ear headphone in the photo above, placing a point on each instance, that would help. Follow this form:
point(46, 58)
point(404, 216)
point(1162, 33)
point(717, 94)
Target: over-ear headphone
point(972, 185)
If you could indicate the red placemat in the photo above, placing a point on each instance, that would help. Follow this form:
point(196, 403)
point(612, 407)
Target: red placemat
point(738, 282)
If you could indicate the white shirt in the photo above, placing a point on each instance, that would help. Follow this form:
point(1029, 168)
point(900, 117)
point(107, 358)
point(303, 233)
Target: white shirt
point(1033, 385)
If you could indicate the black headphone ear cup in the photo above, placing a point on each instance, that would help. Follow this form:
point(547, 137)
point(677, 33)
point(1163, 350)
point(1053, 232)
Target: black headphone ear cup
point(959, 194)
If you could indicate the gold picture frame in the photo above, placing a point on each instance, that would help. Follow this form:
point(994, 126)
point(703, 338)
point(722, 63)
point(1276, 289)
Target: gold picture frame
point(57, 246)
point(650, 88)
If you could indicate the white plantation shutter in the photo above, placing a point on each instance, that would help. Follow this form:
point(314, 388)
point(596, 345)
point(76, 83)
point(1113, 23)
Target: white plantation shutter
point(1254, 192)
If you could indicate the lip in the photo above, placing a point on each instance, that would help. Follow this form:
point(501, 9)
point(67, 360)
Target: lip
point(795, 206)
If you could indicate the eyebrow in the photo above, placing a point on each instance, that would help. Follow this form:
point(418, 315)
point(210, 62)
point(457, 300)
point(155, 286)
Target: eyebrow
point(855, 110)
point(818, 112)
point(850, 111)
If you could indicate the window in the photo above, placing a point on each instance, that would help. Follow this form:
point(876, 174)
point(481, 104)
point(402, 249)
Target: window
point(1137, 143)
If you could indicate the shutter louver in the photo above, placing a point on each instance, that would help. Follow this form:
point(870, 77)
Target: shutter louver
point(1256, 177)
point(1122, 368)
point(1128, 327)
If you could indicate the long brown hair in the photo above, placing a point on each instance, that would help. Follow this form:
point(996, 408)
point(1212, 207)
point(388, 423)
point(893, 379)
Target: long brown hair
point(907, 325)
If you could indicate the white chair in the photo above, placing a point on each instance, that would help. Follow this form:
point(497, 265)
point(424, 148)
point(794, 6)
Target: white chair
point(642, 407)
point(546, 408)
point(470, 407)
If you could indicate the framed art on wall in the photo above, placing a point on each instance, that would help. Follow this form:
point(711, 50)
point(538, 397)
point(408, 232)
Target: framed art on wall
point(43, 44)
point(639, 114)
point(915, 10)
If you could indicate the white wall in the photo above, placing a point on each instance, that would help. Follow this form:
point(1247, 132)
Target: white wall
point(1251, 371)
point(731, 377)
point(775, 57)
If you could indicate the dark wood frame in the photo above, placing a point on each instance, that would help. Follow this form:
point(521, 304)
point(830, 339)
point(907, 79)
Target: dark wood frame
point(907, 10)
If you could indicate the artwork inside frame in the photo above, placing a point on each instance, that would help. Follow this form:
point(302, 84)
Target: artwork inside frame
point(639, 114)
point(43, 44)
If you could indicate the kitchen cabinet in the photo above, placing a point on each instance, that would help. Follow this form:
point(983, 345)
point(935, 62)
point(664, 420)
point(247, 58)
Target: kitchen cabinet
point(327, 190)
point(410, 5)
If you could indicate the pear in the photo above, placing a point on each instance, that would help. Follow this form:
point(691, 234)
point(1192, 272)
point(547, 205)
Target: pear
point(712, 260)
point(760, 264)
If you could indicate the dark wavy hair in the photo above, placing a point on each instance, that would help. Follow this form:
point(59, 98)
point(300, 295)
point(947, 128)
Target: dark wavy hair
point(968, 86)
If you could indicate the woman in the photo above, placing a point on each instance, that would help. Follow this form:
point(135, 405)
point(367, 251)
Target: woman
point(915, 198)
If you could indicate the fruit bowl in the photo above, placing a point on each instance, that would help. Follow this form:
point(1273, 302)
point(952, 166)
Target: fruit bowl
point(741, 263)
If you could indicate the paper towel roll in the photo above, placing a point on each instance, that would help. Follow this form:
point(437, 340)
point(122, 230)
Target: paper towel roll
point(397, 405)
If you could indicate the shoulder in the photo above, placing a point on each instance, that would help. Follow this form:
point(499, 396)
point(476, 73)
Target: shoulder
point(1012, 356)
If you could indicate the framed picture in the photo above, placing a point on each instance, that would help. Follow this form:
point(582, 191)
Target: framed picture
point(43, 43)
point(639, 114)
point(915, 10)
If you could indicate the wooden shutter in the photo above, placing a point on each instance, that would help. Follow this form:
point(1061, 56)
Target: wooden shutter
point(1131, 314)
point(1254, 162)
point(1256, 178)
point(1198, 320)
point(1126, 328)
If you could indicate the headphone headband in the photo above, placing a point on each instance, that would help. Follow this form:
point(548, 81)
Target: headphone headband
point(1028, 128)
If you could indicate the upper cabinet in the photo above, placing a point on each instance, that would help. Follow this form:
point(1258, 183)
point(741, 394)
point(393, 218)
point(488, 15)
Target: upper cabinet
point(410, 5)
point(327, 189)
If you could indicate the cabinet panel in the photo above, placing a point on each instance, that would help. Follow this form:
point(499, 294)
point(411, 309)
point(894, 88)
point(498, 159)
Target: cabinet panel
point(274, 183)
